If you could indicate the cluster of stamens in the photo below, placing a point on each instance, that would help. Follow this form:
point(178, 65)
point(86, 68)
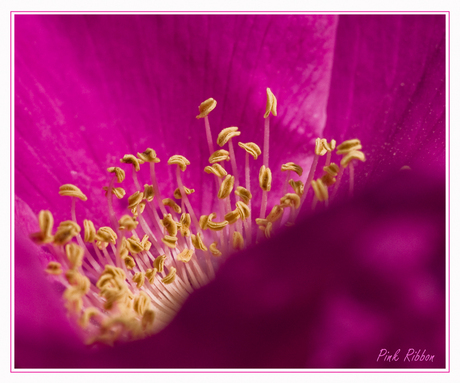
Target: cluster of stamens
point(128, 279)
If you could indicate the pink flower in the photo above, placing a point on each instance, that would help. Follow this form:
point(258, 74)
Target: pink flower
point(365, 275)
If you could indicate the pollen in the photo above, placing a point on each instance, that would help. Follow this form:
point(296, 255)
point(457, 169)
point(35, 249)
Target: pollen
point(148, 155)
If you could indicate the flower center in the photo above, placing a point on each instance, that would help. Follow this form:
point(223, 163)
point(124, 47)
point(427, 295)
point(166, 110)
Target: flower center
point(128, 280)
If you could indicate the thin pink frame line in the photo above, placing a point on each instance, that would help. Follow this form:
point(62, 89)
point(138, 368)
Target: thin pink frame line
point(447, 13)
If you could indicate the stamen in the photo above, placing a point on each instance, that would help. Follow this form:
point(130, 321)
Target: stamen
point(188, 191)
point(214, 250)
point(46, 222)
point(149, 155)
point(174, 206)
point(216, 169)
point(226, 187)
point(185, 256)
point(180, 161)
point(120, 173)
point(72, 191)
point(219, 156)
point(54, 268)
point(170, 277)
point(130, 159)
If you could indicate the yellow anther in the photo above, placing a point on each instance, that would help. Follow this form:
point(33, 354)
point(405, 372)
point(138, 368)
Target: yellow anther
point(232, 216)
point(54, 268)
point(148, 192)
point(261, 222)
point(187, 191)
point(320, 190)
point(275, 214)
point(216, 169)
point(355, 155)
point(118, 192)
point(159, 263)
point(251, 148)
point(206, 107)
point(226, 187)
point(203, 222)
point(127, 259)
point(127, 222)
point(65, 232)
point(130, 159)
point(146, 244)
point(89, 313)
point(185, 256)
point(297, 186)
point(328, 146)
point(180, 161)
point(106, 234)
point(138, 279)
point(214, 250)
point(267, 229)
point(112, 272)
point(101, 245)
point(150, 275)
point(243, 210)
point(226, 134)
point(265, 178)
point(73, 303)
point(141, 302)
point(74, 255)
point(133, 245)
point(138, 209)
point(292, 166)
point(169, 202)
point(119, 172)
point(148, 156)
point(215, 226)
point(185, 222)
point(80, 283)
point(135, 199)
point(197, 242)
point(72, 191)
point(169, 241)
point(320, 150)
point(147, 320)
point(349, 146)
point(271, 104)
point(170, 277)
point(238, 241)
point(328, 180)
point(332, 169)
point(90, 230)
point(244, 194)
point(218, 156)
point(169, 224)
point(46, 222)
point(290, 200)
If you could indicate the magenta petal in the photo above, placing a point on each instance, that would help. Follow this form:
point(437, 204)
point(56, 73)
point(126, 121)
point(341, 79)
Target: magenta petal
point(90, 89)
point(44, 336)
point(330, 293)
point(388, 90)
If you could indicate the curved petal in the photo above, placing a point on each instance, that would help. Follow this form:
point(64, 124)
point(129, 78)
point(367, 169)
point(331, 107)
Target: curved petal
point(90, 89)
point(388, 89)
point(332, 292)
